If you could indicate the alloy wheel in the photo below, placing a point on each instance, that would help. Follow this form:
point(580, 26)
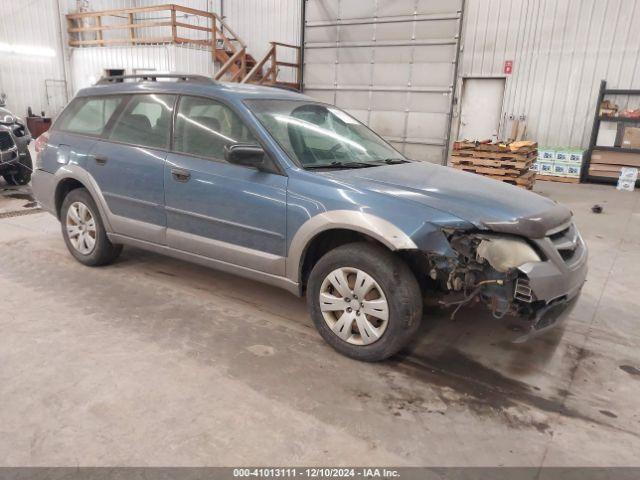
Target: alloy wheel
point(81, 228)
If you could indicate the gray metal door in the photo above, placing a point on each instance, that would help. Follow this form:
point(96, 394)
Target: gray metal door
point(481, 109)
point(390, 63)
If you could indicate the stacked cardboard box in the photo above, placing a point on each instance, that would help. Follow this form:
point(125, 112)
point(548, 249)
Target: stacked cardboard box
point(559, 164)
point(510, 163)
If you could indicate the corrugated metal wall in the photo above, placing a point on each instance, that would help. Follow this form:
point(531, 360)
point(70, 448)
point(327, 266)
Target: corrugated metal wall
point(259, 22)
point(88, 64)
point(36, 23)
point(560, 51)
point(32, 80)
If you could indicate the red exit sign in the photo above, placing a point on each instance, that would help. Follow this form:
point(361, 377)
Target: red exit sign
point(508, 67)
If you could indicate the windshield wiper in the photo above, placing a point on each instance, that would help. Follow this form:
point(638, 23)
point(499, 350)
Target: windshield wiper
point(394, 161)
point(342, 165)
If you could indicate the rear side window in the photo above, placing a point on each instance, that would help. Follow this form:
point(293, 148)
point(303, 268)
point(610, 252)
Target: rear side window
point(145, 121)
point(88, 115)
point(204, 127)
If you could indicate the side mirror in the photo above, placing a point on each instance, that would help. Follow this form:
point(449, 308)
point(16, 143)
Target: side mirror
point(245, 155)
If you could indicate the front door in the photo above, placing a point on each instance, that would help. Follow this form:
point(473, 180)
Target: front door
point(222, 211)
point(129, 166)
point(481, 110)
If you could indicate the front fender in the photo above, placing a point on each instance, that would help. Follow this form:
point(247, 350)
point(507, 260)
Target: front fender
point(382, 230)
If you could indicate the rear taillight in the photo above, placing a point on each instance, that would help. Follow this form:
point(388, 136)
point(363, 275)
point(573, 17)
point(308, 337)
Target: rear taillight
point(41, 142)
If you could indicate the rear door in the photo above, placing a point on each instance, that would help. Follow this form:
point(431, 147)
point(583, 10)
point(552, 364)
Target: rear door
point(128, 165)
point(227, 212)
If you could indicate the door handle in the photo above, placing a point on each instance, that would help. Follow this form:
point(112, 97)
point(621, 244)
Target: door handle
point(100, 159)
point(180, 175)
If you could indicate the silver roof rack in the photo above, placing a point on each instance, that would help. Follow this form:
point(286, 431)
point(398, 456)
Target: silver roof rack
point(154, 77)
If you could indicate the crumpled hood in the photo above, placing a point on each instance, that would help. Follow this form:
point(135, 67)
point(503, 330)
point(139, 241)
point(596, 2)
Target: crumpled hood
point(484, 202)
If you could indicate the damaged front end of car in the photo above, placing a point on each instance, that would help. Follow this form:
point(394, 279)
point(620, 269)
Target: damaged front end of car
point(534, 280)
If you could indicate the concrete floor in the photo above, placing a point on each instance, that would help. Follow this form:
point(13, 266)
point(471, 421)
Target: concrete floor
point(152, 361)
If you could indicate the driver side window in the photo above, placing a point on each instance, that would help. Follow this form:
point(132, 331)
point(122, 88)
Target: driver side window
point(204, 127)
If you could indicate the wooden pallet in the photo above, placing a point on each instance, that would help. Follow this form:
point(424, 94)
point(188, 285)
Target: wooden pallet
point(524, 179)
point(521, 157)
point(527, 180)
point(506, 149)
point(490, 171)
point(491, 162)
point(516, 147)
point(554, 178)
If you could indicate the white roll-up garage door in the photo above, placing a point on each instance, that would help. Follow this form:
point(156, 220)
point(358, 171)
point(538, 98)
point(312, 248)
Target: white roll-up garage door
point(390, 63)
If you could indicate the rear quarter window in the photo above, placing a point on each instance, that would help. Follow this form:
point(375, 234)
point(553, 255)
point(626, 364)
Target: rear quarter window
point(88, 115)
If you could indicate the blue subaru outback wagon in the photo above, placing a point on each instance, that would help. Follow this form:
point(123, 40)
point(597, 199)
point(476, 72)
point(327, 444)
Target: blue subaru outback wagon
point(281, 188)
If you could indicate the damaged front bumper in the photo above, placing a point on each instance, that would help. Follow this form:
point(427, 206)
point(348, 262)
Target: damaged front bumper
point(535, 279)
point(548, 317)
point(555, 283)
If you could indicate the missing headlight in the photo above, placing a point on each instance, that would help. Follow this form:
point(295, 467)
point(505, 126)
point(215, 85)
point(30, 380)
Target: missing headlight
point(504, 254)
point(485, 271)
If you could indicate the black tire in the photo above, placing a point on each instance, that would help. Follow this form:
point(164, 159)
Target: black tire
point(22, 174)
point(104, 252)
point(400, 288)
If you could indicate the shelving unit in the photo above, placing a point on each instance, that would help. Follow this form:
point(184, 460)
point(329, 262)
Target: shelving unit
point(629, 157)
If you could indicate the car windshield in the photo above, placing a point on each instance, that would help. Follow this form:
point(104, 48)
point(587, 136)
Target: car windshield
point(317, 135)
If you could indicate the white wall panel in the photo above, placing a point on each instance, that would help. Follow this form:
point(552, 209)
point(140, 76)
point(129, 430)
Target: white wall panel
point(88, 64)
point(34, 80)
point(561, 50)
point(256, 22)
point(37, 23)
point(259, 22)
point(192, 60)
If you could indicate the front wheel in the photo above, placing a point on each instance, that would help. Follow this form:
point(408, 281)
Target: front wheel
point(364, 301)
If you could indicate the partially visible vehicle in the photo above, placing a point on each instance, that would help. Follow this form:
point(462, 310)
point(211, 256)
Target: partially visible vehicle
point(15, 160)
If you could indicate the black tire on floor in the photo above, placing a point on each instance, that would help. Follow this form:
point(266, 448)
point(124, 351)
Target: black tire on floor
point(399, 286)
point(22, 174)
point(104, 252)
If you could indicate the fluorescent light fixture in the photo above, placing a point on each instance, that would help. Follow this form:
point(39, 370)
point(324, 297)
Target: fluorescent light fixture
point(27, 50)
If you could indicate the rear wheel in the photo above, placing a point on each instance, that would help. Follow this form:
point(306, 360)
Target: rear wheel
point(364, 301)
point(21, 175)
point(84, 232)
